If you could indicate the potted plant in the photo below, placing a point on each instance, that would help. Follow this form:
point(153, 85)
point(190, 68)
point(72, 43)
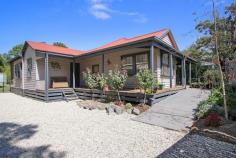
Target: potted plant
point(106, 88)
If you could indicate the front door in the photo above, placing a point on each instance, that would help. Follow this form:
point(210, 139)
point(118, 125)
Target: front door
point(77, 77)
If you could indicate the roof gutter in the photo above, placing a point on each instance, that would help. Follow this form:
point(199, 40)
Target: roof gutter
point(56, 54)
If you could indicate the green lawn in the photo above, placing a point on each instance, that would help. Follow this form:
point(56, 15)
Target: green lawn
point(6, 88)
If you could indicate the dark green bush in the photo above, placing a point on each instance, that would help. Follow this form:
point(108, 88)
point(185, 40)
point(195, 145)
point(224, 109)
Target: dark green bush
point(231, 97)
point(211, 78)
point(160, 86)
point(212, 104)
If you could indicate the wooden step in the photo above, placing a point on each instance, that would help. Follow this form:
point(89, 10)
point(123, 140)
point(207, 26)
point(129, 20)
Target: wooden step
point(69, 94)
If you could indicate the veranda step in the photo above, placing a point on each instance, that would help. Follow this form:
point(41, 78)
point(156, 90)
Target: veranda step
point(69, 94)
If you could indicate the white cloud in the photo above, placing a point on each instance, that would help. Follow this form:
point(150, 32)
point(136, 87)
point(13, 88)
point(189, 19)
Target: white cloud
point(101, 15)
point(101, 10)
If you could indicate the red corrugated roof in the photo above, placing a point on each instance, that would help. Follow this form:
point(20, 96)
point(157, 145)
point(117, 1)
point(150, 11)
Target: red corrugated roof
point(54, 49)
point(129, 40)
point(66, 51)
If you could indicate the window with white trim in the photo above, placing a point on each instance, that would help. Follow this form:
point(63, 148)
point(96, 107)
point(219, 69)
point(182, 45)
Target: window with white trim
point(128, 64)
point(29, 67)
point(165, 68)
point(133, 63)
point(141, 61)
point(17, 70)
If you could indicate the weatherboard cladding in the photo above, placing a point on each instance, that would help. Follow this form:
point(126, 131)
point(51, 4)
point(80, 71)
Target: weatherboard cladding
point(34, 82)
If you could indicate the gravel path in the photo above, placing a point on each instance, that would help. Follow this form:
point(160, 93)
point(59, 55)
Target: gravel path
point(30, 128)
point(199, 146)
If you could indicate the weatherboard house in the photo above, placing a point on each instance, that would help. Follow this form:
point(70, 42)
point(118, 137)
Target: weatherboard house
point(42, 71)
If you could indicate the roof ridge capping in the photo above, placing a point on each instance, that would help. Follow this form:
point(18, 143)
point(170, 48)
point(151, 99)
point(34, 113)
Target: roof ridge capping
point(159, 31)
point(125, 40)
point(44, 47)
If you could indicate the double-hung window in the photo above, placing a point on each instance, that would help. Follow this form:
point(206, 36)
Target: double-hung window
point(128, 64)
point(141, 61)
point(17, 70)
point(165, 65)
point(133, 63)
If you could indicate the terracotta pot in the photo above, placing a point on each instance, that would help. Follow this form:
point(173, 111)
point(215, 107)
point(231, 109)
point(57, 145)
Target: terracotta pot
point(106, 88)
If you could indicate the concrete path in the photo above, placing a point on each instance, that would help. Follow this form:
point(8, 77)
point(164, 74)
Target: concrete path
point(175, 112)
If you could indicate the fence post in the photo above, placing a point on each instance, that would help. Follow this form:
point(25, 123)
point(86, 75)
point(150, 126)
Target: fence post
point(3, 83)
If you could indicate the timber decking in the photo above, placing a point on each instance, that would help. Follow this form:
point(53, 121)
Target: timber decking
point(85, 94)
point(17, 91)
point(128, 96)
point(53, 94)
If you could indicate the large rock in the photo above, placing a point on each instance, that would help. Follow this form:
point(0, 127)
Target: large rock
point(119, 110)
point(136, 111)
point(101, 106)
point(109, 110)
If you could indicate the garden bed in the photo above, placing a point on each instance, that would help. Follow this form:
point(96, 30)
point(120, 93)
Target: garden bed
point(225, 132)
point(112, 107)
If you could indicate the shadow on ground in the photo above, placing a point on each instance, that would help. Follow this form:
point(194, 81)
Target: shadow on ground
point(199, 146)
point(12, 133)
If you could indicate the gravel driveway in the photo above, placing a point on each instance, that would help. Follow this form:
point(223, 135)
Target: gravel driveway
point(30, 128)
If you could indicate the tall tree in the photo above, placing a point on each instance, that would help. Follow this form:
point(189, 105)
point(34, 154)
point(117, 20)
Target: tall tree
point(13, 52)
point(225, 34)
point(2, 65)
point(60, 44)
point(230, 12)
point(218, 40)
point(218, 59)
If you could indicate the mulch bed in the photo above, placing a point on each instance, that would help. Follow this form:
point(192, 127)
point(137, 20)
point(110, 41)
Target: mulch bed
point(225, 132)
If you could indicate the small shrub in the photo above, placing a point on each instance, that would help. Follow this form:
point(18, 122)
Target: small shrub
point(160, 86)
point(231, 97)
point(128, 106)
point(215, 97)
point(212, 120)
point(203, 109)
point(102, 80)
point(117, 80)
point(146, 80)
point(90, 79)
